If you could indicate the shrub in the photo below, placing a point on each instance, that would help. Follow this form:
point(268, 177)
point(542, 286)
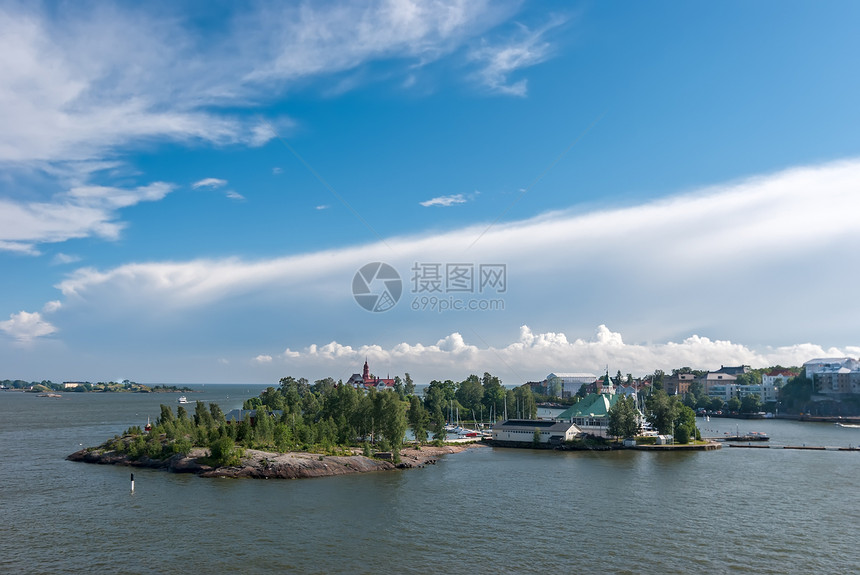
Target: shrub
point(223, 452)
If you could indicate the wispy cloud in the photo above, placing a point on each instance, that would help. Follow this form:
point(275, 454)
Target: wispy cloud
point(233, 195)
point(323, 207)
point(81, 212)
point(62, 259)
point(499, 61)
point(211, 183)
point(445, 201)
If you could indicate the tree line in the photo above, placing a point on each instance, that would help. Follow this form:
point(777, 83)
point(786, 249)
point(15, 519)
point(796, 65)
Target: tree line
point(326, 417)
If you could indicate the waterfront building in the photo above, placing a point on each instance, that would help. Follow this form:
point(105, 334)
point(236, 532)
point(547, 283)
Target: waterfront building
point(366, 381)
point(591, 415)
point(838, 381)
point(524, 431)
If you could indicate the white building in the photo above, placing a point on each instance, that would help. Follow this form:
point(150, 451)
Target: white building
point(829, 364)
point(523, 431)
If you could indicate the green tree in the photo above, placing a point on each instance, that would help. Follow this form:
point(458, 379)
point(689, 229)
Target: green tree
point(263, 427)
point(685, 422)
point(750, 404)
point(624, 418)
point(733, 404)
point(393, 426)
point(408, 384)
point(662, 411)
point(418, 418)
point(223, 452)
point(470, 392)
point(166, 415)
point(202, 417)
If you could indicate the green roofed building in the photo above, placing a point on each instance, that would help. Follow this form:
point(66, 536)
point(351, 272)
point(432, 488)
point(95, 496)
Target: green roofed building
point(591, 415)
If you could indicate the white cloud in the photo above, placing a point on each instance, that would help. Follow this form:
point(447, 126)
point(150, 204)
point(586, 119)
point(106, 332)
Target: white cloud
point(500, 61)
point(323, 207)
point(233, 195)
point(81, 212)
point(741, 263)
point(445, 201)
point(276, 171)
point(61, 258)
point(263, 359)
point(533, 356)
point(211, 183)
point(25, 327)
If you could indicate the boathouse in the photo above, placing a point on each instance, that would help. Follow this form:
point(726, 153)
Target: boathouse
point(522, 432)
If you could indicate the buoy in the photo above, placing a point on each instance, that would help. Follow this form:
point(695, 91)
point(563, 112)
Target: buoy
point(132, 482)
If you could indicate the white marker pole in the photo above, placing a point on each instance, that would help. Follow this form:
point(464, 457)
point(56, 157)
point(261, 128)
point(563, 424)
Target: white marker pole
point(132, 482)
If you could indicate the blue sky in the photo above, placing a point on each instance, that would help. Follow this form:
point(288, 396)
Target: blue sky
point(186, 192)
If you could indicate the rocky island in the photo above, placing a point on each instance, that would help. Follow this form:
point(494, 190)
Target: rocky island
point(269, 465)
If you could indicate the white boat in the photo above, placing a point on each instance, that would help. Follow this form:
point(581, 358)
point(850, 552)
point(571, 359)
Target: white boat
point(182, 399)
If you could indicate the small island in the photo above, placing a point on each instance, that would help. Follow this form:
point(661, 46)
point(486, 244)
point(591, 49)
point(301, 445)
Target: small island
point(124, 386)
point(293, 431)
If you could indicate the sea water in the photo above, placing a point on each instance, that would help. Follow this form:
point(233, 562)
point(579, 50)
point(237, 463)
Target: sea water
point(481, 511)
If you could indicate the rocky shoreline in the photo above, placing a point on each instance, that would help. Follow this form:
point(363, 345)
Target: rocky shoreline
point(266, 465)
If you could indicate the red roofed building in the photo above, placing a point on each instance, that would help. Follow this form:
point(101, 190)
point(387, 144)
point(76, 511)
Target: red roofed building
point(366, 381)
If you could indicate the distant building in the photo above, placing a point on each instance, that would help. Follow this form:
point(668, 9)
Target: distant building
point(778, 377)
point(522, 431)
point(741, 369)
point(720, 385)
point(829, 364)
point(366, 381)
point(678, 384)
point(568, 383)
point(71, 384)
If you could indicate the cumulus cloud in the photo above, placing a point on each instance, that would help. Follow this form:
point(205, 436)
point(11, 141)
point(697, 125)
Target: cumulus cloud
point(533, 355)
point(445, 201)
point(24, 327)
point(263, 358)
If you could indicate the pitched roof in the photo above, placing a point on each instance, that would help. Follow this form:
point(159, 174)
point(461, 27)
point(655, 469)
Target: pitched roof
point(593, 405)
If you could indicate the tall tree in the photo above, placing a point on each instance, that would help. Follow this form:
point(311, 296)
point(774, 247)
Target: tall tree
point(408, 384)
point(418, 418)
point(662, 411)
point(623, 418)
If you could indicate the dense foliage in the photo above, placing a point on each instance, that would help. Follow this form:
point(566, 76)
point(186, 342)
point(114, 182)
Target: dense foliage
point(323, 417)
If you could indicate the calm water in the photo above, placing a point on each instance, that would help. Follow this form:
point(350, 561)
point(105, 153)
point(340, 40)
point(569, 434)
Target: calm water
point(481, 511)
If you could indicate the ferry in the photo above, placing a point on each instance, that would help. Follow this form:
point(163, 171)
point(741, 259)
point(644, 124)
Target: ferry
point(182, 399)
